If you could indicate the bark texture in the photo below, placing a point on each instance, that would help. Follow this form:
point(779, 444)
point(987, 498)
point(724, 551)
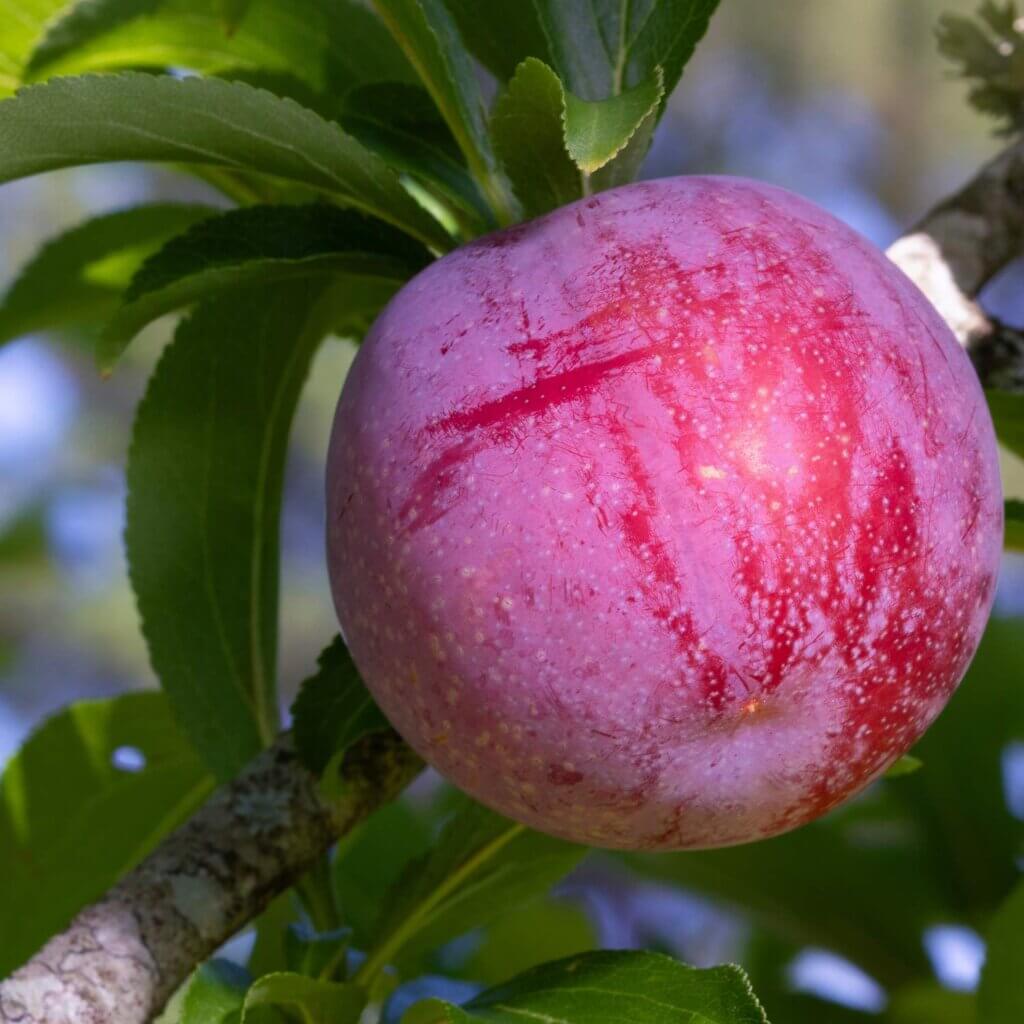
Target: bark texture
point(958, 247)
point(120, 959)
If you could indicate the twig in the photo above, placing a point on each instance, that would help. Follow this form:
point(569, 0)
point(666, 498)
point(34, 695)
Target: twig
point(958, 247)
point(120, 959)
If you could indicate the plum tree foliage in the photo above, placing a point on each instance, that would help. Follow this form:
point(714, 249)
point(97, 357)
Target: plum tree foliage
point(364, 146)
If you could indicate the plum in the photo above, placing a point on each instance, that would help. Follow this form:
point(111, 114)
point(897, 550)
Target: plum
point(667, 520)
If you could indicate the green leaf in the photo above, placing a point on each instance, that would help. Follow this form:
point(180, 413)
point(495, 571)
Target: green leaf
point(972, 840)
point(269, 953)
point(987, 48)
point(868, 864)
point(76, 279)
point(307, 38)
point(608, 988)
point(232, 13)
point(528, 127)
point(215, 993)
point(1007, 411)
point(767, 961)
point(527, 936)
point(310, 1000)
point(401, 123)
point(500, 33)
point(332, 711)
point(603, 47)
point(546, 137)
point(596, 132)
point(906, 765)
point(626, 165)
point(1013, 517)
point(24, 24)
point(370, 860)
point(204, 492)
point(429, 37)
point(312, 953)
point(206, 121)
point(930, 1003)
point(481, 866)
point(23, 541)
point(1001, 994)
point(260, 245)
point(72, 821)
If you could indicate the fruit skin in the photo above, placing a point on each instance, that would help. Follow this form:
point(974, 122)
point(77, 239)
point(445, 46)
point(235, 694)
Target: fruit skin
point(667, 520)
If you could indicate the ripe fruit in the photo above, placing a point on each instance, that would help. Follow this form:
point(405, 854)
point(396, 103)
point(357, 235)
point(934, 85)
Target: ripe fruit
point(667, 520)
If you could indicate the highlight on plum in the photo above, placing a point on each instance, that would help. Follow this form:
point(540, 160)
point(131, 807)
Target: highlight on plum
point(670, 519)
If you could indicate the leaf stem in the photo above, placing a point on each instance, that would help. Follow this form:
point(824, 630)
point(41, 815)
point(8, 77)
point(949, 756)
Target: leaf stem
point(316, 892)
point(479, 161)
point(382, 954)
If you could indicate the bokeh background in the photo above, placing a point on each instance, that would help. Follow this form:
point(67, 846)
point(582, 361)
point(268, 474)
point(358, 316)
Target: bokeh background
point(847, 102)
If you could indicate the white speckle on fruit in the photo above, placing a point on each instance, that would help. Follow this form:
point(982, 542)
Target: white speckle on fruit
point(693, 557)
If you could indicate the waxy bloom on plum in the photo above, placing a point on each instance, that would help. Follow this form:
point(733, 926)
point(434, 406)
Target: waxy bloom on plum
point(668, 520)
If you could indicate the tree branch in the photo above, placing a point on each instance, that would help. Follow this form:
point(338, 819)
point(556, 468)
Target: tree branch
point(120, 960)
point(958, 247)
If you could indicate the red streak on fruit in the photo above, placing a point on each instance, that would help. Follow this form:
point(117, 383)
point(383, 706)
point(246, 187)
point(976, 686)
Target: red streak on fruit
point(668, 520)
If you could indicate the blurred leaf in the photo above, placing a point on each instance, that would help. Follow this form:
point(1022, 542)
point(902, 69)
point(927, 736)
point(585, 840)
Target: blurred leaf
point(309, 952)
point(71, 280)
point(767, 961)
point(972, 838)
point(528, 935)
point(204, 493)
point(867, 863)
point(546, 137)
point(608, 988)
point(332, 711)
point(429, 37)
point(600, 48)
point(260, 245)
point(906, 765)
point(402, 124)
point(80, 22)
point(171, 1013)
point(102, 118)
point(269, 953)
point(214, 994)
point(24, 23)
point(1001, 992)
point(23, 541)
point(371, 860)
point(307, 38)
point(310, 1000)
point(1007, 411)
point(930, 1003)
point(72, 821)
point(801, 1008)
point(481, 865)
point(1013, 516)
point(987, 48)
point(233, 13)
point(500, 33)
